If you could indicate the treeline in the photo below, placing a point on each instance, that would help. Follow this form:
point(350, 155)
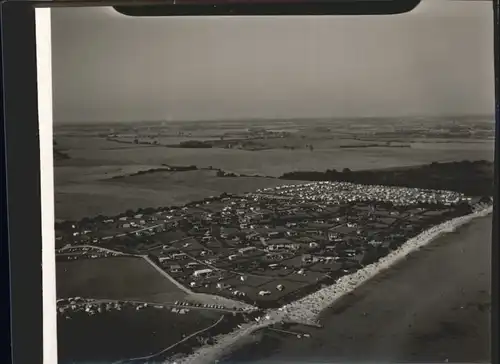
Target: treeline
point(222, 173)
point(471, 178)
point(160, 169)
point(192, 144)
point(169, 168)
point(67, 224)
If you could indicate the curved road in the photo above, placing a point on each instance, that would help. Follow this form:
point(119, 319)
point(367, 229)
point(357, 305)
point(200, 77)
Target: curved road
point(432, 307)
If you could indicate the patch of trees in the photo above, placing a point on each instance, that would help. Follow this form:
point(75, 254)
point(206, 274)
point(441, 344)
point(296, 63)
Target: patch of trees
point(221, 173)
point(183, 168)
point(195, 144)
point(161, 169)
point(471, 178)
point(374, 146)
point(147, 171)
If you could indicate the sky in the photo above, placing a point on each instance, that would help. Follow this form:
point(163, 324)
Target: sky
point(436, 60)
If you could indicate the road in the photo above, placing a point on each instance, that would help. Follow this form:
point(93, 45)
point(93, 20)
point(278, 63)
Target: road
point(432, 307)
point(194, 334)
point(141, 229)
point(166, 275)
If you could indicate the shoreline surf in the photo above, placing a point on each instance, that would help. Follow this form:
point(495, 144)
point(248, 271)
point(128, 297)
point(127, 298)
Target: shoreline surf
point(309, 308)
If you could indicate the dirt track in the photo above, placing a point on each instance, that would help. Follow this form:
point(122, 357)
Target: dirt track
point(432, 307)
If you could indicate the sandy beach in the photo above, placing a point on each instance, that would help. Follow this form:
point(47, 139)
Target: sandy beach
point(309, 308)
point(432, 307)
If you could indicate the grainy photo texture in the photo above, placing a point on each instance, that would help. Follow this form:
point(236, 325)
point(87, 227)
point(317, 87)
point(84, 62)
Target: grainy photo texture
point(273, 189)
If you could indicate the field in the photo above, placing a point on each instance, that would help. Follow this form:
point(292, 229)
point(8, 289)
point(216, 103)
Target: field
point(117, 278)
point(113, 196)
point(274, 162)
point(118, 335)
point(85, 183)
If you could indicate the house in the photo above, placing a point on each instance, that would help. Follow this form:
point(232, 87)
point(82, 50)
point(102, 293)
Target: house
point(276, 244)
point(252, 236)
point(179, 256)
point(246, 250)
point(202, 272)
point(175, 268)
point(308, 258)
point(305, 240)
point(274, 234)
point(274, 256)
point(222, 286)
point(314, 232)
point(313, 245)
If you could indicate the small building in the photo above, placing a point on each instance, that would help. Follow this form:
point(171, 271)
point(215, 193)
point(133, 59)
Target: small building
point(175, 268)
point(276, 244)
point(246, 250)
point(307, 258)
point(222, 286)
point(202, 272)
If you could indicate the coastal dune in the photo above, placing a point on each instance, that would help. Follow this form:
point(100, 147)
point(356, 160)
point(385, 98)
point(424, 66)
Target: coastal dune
point(308, 309)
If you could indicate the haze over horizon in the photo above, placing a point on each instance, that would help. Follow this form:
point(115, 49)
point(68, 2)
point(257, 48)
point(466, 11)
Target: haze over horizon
point(477, 117)
point(434, 61)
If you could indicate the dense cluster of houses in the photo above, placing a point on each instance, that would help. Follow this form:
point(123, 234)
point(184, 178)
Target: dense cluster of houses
point(350, 192)
point(268, 244)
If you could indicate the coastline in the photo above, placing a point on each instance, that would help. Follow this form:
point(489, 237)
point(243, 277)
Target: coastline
point(309, 308)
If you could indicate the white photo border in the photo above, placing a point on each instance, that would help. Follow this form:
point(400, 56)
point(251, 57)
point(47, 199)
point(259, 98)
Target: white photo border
point(45, 122)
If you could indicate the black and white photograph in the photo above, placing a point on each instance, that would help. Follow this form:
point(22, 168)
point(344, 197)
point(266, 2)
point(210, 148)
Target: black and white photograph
point(279, 189)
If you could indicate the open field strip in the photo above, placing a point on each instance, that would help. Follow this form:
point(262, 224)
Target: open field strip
point(189, 294)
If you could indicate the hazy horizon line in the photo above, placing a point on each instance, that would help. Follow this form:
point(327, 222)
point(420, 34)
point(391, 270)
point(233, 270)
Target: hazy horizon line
point(282, 119)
